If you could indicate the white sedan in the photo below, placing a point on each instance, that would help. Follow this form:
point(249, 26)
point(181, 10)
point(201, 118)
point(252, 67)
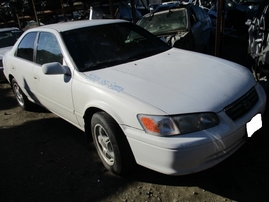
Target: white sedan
point(8, 36)
point(141, 101)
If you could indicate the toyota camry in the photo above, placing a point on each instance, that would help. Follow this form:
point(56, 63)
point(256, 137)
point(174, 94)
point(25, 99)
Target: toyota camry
point(139, 100)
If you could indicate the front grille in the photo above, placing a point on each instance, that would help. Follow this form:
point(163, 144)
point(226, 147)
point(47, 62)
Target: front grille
point(241, 106)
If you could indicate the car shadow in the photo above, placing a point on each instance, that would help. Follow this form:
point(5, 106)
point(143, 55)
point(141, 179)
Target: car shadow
point(8, 100)
point(46, 159)
point(241, 177)
point(49, 158)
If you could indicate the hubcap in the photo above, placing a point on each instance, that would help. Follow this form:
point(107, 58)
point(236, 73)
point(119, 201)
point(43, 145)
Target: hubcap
point(18, 94)
point(104, 144)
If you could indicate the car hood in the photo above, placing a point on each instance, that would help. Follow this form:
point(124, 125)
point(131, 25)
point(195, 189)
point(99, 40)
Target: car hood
point(178, 81)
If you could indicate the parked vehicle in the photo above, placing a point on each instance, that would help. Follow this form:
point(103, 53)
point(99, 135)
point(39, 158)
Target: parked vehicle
point(125, 13)
point(171, 110)
point(236, 14)
point(181, 26)
point(8, 36)
point(258, 46)
point(166, 6)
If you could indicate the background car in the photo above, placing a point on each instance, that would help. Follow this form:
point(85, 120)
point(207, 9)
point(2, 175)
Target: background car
point(125, 12)
point(182, 26)
point(236, 13)
point(258, 43)
point(140, 101)
point(8, 36)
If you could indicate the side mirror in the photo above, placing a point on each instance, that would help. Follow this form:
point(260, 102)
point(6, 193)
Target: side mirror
point(55, 68)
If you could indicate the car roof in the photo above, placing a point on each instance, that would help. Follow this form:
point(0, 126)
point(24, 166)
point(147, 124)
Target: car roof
point(8, 29)
point(65, 26)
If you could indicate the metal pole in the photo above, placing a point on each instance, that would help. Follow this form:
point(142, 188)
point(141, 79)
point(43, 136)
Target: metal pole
point(219, 27)
point(63, 11)
point(133, 11)
point(18, 19)
point(37, 21)
point(111, 8)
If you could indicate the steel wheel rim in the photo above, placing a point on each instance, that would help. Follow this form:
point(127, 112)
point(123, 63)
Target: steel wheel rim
point(18, 94)
point(104, 144)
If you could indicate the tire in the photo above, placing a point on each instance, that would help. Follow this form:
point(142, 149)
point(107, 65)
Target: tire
point(21, 98)
point(111, 144)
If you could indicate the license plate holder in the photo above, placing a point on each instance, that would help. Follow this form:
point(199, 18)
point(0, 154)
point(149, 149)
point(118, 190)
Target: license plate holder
point(254, 124)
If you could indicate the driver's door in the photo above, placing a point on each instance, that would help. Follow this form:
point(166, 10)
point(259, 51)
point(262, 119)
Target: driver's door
point(52, 91)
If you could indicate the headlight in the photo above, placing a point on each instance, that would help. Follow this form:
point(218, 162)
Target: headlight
point(177, 125)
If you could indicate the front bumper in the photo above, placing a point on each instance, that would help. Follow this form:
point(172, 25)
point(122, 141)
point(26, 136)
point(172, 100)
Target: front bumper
point(190, 153)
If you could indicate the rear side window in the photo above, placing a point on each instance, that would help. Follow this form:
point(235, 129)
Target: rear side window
point(26, 47)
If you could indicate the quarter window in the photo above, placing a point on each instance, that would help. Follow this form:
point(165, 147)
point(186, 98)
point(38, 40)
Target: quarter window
point(48, 49)
point(26, 47)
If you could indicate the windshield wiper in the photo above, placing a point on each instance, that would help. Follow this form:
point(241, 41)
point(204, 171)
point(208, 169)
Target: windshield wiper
point(151, 16)
point(169, 13)
point(143, 54)
point(103, 64)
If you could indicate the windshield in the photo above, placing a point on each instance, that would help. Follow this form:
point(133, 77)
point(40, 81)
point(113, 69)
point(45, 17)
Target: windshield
point(9, 38)
point(163, 22)
point(107, 45)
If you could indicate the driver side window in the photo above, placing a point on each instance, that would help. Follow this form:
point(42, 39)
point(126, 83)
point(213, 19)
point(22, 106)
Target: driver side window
point(48, 49)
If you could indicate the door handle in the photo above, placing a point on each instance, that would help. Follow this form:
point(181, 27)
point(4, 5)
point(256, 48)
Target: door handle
point(36, 77)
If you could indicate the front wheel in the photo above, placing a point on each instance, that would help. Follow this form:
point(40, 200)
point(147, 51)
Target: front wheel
point(20, 97)
point(111, 144)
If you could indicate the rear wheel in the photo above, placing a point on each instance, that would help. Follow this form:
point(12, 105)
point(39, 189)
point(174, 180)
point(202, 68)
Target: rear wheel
point(21, 98)
point(111, 144)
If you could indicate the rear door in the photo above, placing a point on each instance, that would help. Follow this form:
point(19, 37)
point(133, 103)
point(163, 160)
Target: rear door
point(22, 65)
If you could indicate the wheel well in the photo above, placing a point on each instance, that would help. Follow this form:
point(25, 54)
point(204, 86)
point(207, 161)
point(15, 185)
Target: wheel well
point(87, 117)
point(126, 153)
point(87, 121)
point(10, 77)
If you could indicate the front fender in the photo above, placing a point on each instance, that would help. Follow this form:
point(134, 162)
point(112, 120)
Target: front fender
point(119, 105)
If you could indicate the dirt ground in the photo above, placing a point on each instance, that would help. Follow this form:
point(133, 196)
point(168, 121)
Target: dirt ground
point(44, 158)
